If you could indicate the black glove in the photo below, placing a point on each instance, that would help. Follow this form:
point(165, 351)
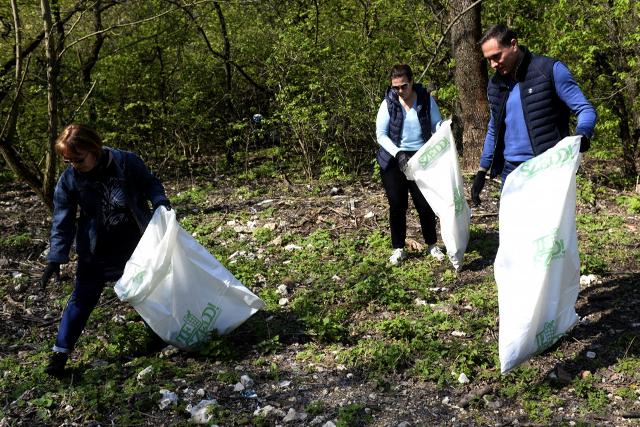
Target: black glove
point(585, 143)
point(51, 269)
point(164, 203)
point(403, 160)
point(478, 185)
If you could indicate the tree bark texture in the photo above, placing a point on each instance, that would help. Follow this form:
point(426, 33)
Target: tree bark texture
point(52, 102)
point(470, 77)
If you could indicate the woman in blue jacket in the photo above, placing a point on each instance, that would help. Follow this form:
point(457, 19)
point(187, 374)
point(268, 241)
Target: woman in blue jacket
point(407, 117)
point(112, 190)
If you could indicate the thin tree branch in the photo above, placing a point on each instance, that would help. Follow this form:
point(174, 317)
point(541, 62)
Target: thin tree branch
point(444, 34)
point(127, 24)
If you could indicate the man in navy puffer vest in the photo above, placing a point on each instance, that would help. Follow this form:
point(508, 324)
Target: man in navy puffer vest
point(531, 98)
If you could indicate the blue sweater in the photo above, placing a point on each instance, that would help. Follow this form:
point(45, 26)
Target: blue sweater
point(516, 138)
point(412, 138)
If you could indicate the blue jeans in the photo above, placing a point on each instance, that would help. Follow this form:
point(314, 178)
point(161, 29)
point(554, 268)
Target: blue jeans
point(508, 168)
point(90, 280)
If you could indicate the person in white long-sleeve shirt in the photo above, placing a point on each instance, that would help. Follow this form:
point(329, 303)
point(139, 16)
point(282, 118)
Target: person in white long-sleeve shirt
point(406, 119)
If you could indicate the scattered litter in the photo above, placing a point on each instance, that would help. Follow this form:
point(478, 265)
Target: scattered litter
point(445, 400)
point(118, 318)
point(335, 191)
point(200, 413)
point(238, 387)
point(249, 394)
point(369, 215)
point(246, 380)
point(591, 354)
point(284, 384)
point(292, 247)
point(459, 334)
point(462, 378)
point(168, 398)
point(267, 411)
point(264, 202)
point(145, 373)
point(589, 279)
point(420, 301)
point(282, 290)
point(169, 351)
point(68, 408)
point(201, 392)
point(16, 275)
point(283, 301)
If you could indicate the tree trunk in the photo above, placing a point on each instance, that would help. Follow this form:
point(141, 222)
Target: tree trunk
point(7, 134)
point(52, 103)
point(470, 77)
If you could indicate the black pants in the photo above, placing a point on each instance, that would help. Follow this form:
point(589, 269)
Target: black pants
point(398, 187)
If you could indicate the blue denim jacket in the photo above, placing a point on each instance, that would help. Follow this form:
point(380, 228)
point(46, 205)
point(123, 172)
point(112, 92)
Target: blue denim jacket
point(74, 191)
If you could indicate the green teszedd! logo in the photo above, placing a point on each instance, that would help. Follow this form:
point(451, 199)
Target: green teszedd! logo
point(195, 330)
point(548, 160)
point(433, 152)
point(547, 336)
point(137, 279)
point(458, 199)
point(549, 247)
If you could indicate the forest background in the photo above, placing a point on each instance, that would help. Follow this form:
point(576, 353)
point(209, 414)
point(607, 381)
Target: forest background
point(344, 337)
point(179, 82)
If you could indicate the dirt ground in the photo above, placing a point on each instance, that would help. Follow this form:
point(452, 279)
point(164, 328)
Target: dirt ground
point(608, 311)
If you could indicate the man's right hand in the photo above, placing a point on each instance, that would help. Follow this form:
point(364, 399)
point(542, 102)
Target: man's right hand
point(478, 185)
point(51, 269)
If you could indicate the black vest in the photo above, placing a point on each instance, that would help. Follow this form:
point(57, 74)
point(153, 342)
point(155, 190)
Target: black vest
point(396, 120)
point(546, 115)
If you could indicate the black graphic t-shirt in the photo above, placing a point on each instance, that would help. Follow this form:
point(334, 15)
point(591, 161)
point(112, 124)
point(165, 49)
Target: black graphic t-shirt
point(118, 234)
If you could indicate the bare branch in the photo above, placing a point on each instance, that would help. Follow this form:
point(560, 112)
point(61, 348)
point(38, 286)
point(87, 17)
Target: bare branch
point(128, 24)
point(444, 34)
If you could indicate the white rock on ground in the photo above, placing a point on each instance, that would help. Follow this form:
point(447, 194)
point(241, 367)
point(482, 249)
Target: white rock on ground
point(293, 415)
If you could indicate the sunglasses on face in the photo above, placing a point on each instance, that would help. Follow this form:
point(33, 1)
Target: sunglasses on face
point(403, 86)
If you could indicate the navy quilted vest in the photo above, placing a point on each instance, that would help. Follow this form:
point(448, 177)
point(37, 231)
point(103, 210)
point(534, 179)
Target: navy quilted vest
point(546, 116)
point(396, 120)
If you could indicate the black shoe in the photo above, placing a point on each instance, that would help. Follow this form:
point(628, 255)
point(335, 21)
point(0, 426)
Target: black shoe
point(57, 360)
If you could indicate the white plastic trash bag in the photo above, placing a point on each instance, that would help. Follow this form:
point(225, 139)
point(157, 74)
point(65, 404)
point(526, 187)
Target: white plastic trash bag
point(179, 288)
point(435, 170)
point(537, 267)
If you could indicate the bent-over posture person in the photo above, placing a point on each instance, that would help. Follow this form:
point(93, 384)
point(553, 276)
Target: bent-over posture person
point(102, 201)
